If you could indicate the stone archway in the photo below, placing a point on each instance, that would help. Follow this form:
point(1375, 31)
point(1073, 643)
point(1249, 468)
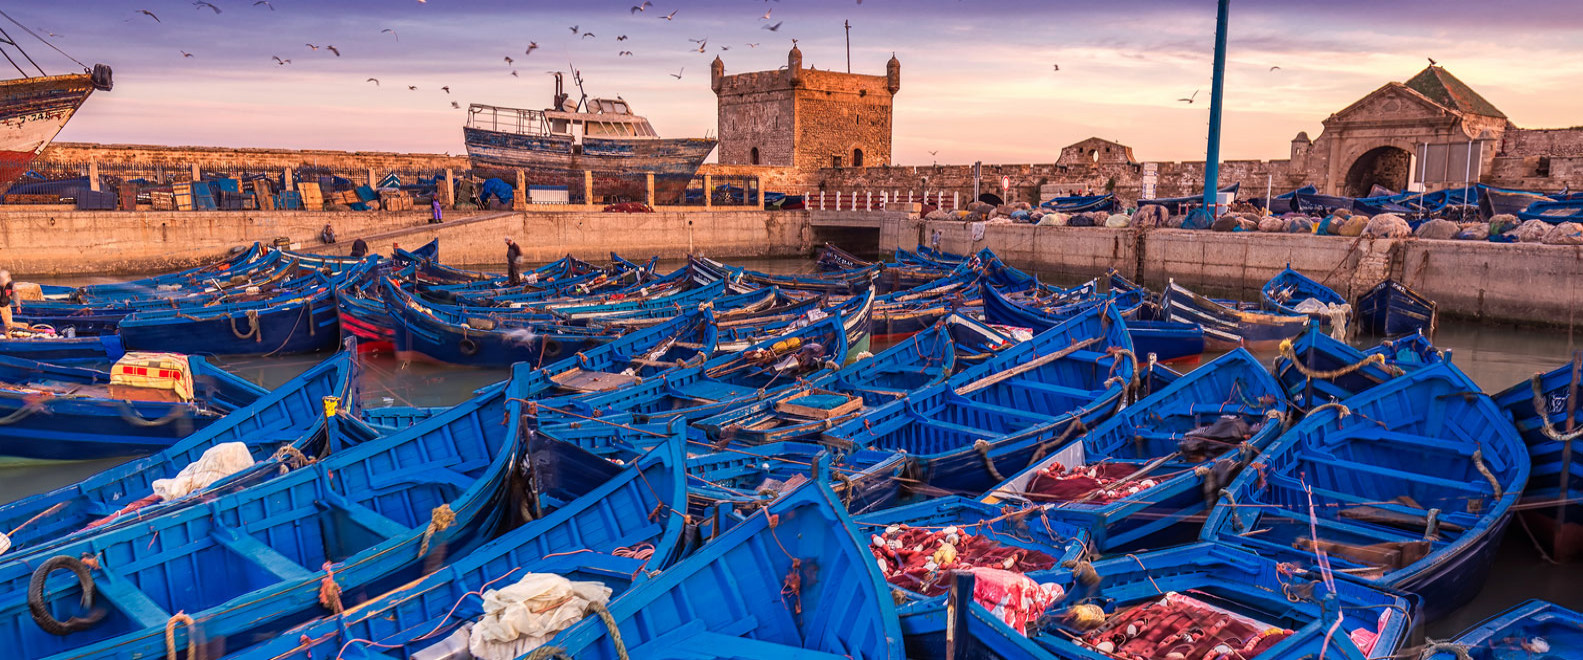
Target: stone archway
point(1387, 166)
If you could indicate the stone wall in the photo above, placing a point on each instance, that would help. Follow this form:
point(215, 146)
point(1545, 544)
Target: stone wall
point(113, 157)
point(838, 113)
point(755, 111)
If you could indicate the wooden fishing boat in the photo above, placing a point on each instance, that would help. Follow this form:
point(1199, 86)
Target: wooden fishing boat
point(1166, 340)
point(1532, 629)
point(846, 282)
point(1545, 409)
point(1189, 601)
point(725, 486)
point(594, 536)
point(298, 321)
point(1315, 368)
point(856, 312)
point(1140, 478)
point(996, 417)
point(250, 564)
point(802, 412)
point(424, 332)
point(1408, 484)
point(833, 258)
point(1227, 327)
point(60, 412)
point(832, 601)
point(36, 108)
point(1290, 290)
point(61, 349)
point(288, 415)
point(1391, 309)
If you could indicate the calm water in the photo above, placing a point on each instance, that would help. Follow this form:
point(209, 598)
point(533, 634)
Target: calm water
point(1494, 356)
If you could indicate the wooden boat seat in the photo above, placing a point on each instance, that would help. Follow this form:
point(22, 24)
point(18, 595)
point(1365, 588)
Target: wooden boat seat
point(130, 600)
point(1452, 521)
point(578, 380)
point(255, 551)
point(363, 516)
point(1062, 390)
point(1444, 446)
point(1323, 523)
point(1002, 410)
point(711, 391)
point(430, 474)
point(1480, 488)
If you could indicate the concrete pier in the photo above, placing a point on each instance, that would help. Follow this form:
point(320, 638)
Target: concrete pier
point(1522, 283)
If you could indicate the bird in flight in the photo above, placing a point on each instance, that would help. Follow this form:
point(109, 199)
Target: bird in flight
point(373, 80)
point(1432, 61)
point(643, 7)
point(934, 152)
point(333, 49)
point(200, 4)
point(725, 48)
point(587, 35)
point(766, 15)
point(531, 46)
point(456, 105)
point(392, 33)
point(514, 74)
point(311, 47)
point(678, 74)
point(509, 60)
point(621, 38)
point(1190, 99)
point(186, 54)
point(265, 3)
point(574, 28)
point(281, 62)
point(773, 28)
point(624, 53)
point(52, 34)
point(412, 88)
point(150, 15)
point(446, 89)
point(1057, 67)
point(753, 45)
point(1275, 68)
point(671, 16)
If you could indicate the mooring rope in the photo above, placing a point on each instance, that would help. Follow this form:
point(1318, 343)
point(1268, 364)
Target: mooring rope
point(1544, 420)
point(192, 636)
point(1290, 354)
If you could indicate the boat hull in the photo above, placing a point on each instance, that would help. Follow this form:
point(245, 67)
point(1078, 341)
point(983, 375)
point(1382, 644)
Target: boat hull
point(1391, 309)
point(32, 112)
point(618, 165)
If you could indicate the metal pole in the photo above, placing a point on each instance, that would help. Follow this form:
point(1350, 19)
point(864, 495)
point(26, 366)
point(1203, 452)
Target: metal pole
point(1217, 93)
point(848, 26)
point(1467, 172)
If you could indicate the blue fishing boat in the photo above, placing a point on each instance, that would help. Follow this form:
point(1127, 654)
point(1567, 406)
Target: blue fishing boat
point(1405, 486)
point(1139, 478)
point(1567, 210)
point(282, 417)
point(298, 321)
point(60, 412)
point(1080, 203)
point(792, 581)
point(600, 535)
point(64, 350)
point(1315, 368)
point(1533, 629)
point(994, 418)
point(833, 258)
point(846, 282)
point(1391, 309)
point(424, 332)
point(1166, 340)
point(250, 564)
point(1295, 294)
point(1545, 409)
point(1196, 601)
point(1227, 324)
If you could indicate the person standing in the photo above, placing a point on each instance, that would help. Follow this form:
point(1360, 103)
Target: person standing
point(513, 255)
point(359, 248)
point(7, 299)
point(436, 204)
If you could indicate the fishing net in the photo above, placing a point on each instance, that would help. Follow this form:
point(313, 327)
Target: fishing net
point(1180, 626)
point(1438, 229)
point(1388, 225)
point(921, 559)
point(1566, 233)
point(1117, 221)
point(1533, 231)
point(1338, 314)
point(1272, 224)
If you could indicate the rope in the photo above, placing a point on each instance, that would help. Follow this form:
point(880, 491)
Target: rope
point(192, 637)
point(1478, 464)
point(439, 519)
point(291, 458)
point(1458, 650)
point(330, 592)
point(24, 412)
point(549, 653)
point(252, 322)
point(1432, 525)
point(982, 447)
point(132, 417)
point(1291, 355)
point(1544, 420)
point(46, 42)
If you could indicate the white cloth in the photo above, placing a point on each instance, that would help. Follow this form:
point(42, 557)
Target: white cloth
point(978, 231)
point(218, 462)
point(523, 616)
point(5, 543)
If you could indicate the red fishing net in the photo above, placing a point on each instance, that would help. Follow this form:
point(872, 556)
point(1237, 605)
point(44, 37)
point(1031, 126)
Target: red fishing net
point(1180, 626)
point(1057, 482)
point(920, 559)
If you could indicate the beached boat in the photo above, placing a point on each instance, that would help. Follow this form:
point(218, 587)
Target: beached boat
point(1138, 479)
point(36, 108)
point(1195, 601)
point(1546, 411)
point(598, 536)
point(284, 416)
point(1293, 293)
point(1533, 629)
point(1407, 486)
point(1391, 309)
point(825, 596)
point(1019, 405)
point(555, 146)
point(250, 564)
point(144, 404)
point(1229, 325)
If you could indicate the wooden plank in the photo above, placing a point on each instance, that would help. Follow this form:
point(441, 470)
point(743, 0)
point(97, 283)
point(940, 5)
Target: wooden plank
point(1025, 367)
point(592, 381)
point(786, 405)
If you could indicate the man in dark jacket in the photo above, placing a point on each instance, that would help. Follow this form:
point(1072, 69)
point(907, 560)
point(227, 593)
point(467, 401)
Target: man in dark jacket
point(513, 255)
point(359, 248)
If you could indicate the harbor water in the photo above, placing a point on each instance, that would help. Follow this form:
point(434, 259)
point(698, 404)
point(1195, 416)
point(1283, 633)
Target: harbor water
point(1494, 356)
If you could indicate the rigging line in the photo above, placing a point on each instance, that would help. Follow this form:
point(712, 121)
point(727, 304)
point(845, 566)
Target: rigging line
point(13, 63)
point(46, 41)
point(18, 48)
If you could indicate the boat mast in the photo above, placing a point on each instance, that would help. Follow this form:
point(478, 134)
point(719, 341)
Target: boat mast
point(1216, 94)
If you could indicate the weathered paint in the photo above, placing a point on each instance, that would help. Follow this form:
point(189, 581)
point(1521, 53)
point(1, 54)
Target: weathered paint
point(618, 164)
point(32, 112)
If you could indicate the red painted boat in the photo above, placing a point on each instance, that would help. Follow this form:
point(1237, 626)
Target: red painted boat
point(33, 110)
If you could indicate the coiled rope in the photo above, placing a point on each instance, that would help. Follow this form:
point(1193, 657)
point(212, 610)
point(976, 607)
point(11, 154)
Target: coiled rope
point(1544, 420)
point(252, 323)
point(192, 636)
point(439, 519)
point(1458, 650)
point(1291, 355)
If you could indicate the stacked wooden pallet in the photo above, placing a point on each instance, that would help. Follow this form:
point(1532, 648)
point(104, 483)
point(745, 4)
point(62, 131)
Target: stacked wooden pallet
point(312, 198)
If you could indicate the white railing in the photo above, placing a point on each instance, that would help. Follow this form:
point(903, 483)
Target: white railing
point(879, 200)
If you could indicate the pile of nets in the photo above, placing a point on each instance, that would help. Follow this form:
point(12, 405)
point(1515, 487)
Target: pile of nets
point(921, 559)
point(1099, 483)
point(1180, 626)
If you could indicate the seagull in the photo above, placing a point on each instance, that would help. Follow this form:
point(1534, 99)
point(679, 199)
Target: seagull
point(446, 89)
point(934, 152)
point(624, 53)
point(574, 29)
point(311, 47)
point(1432, 61)
point(1275, 68)
point(201, 4)
point(456, 105)
point(186, 54)
point(333, 49)
point(265, 3)
point(509, 60)
point(587, 35)
point(531, 46)
point(638, 8)
point(671, 16)
point(52, 34)
point(678, 74)
point(1057, 67)
point(621, 38)
point(392, 33)
point(150, 15)
point(773, 28)
point(514, 74)
point(373, 80)
point(412, 88)
point(282, 62)
point(1190, 98)
point(724, 48)
point(766, 15)
point(753, 45)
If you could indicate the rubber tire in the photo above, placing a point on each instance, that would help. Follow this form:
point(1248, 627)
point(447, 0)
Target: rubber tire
point(40, 611)
point(467, 346)
point(552, 349)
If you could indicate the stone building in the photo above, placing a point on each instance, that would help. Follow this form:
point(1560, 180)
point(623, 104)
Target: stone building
point(804, 117)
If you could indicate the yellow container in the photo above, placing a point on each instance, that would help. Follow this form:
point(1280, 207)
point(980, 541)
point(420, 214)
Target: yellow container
point(331, 404)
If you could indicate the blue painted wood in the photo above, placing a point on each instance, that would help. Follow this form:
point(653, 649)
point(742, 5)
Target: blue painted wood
point(64, 350)
point(1392, 309)
point(1167, 340)
point(1283, 292)
point(1149, 434)
point(1318, 352)
point(1226, 327)
point(1557, 458)
point(1429, 435)
point(1519, 633)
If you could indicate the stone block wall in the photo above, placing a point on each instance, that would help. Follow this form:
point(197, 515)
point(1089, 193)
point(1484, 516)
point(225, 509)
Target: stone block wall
point(838, 113)
point(115, 157)
point(756, 110)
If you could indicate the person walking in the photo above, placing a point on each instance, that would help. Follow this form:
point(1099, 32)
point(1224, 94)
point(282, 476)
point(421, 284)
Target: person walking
point(513, 255)
point(436, 204)
point(359, 248)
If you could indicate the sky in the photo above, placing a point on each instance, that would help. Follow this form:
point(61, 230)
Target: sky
point(979, 78)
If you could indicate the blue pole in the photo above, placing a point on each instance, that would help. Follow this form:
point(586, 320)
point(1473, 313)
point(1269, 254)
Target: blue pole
point(1216, 95)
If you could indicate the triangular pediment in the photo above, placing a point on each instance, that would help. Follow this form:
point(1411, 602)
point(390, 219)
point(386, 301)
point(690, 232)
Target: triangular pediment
point(1391, 102)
